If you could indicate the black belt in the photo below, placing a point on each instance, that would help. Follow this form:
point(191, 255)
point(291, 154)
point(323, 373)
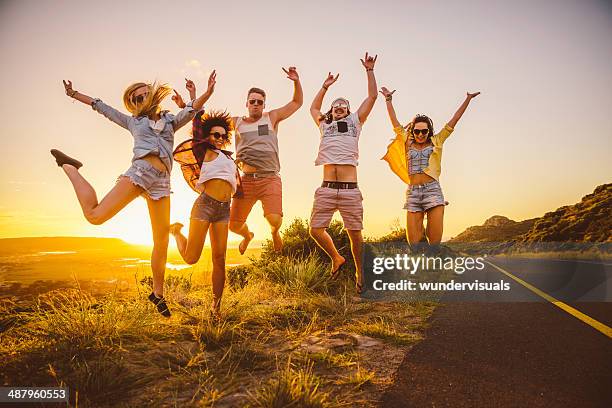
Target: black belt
point(339, 184)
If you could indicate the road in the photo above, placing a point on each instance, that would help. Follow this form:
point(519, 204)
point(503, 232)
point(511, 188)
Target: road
point(495, 351)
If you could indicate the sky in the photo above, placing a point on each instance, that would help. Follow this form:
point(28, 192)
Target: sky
point(537, 138)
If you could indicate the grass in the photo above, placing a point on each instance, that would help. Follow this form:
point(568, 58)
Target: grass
point(291, 387)
point(116, 350)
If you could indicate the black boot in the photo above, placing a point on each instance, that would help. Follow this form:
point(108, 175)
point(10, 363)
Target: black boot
point(162, 307)
point(61, 159)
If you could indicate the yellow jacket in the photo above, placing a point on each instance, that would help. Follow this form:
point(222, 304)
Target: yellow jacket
point(396, 153)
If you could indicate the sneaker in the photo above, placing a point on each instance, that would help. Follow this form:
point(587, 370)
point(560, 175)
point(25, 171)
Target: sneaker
point(160, 302)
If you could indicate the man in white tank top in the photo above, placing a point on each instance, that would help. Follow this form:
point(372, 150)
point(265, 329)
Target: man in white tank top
point(338, 153)
point(257, 155)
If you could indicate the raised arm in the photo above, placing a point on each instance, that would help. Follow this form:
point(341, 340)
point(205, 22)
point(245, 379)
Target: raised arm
point(315, 107)
point(108, 111)
point(282, 113)
point(178, 99)
point(462, 109)
point(367, 105)
point(198, 103)
point(188, 112)
point(390, 109)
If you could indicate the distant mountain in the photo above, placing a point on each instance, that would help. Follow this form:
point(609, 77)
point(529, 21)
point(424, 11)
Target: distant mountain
point(496, 229)
point(590, 220)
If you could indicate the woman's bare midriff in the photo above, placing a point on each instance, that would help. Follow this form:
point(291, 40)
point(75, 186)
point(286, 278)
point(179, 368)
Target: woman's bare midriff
point(218, 189)
point(155, 162)
point(420, 178)
point(340, 172)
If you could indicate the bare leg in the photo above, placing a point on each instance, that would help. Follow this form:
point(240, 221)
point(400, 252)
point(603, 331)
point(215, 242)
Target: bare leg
point(324, 240)
point(120, 195)
point(275, 221)
point(191, 249)
point(218, 242)
point(356, 239)
point(241, 229)
point(414, 227)
point(159, 212)
point(435, 224)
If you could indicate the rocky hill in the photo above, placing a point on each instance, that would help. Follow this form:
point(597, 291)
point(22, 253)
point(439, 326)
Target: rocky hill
point(590, 220)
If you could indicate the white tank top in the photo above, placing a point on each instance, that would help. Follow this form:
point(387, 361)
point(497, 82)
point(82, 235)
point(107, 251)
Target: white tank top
point(339, 141)
point(222, 168)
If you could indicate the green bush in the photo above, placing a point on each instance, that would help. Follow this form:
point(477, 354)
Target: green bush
point(308, 274)
point(238, 276)
point(298, 244)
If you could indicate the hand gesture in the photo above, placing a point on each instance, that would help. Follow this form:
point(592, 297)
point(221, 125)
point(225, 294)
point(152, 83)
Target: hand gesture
point(68, 87)
point(292, 74)
point(212, 80)
point(369, 61)
point(178, 99)
point(190, 86)
point(473, 95)
point(330, 80)
point(386, 93)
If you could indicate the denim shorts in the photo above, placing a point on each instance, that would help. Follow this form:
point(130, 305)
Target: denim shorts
point(206, 208)
point(154, 182)
point(423, 197)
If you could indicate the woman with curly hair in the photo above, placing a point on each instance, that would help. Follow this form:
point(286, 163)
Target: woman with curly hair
point(415, 156)
point(212, 172)
point(149, 175)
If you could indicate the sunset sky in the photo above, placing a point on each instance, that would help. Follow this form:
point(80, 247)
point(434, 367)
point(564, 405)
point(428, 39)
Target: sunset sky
point(538, 137)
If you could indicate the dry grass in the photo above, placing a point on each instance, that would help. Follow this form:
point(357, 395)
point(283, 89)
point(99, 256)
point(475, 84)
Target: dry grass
point(116, 350)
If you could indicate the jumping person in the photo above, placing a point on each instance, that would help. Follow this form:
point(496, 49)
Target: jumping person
point(217, 182)
point(338, 153)
point(257, 156)
point(149, 175)
point(415, 155)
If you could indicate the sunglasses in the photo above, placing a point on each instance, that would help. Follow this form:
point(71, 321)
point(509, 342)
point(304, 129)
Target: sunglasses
point(340, 105)
point(218, 136)
point(256, 102)
point(417, 132)
point(139, 98)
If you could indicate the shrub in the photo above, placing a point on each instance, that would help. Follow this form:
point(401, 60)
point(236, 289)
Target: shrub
point(298, 244)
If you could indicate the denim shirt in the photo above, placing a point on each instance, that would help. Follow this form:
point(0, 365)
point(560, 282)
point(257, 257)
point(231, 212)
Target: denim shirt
point(146, 140)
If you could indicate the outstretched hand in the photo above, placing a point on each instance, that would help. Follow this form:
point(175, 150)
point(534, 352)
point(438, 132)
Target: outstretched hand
point(292, 74)
point(330, 80)
point(190, 86)
point(68, 87)
point(369, 61)
point(212, 80)
point(386, 93)
point(178, 99)
point(473, 95)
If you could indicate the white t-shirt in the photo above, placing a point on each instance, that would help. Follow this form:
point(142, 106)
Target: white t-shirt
point(339, 141)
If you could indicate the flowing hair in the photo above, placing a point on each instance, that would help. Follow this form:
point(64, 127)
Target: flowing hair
point(190, 153)
point(203, 123)
point(151, 105)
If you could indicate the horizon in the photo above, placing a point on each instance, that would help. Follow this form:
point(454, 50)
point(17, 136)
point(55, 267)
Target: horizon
point(512, 153)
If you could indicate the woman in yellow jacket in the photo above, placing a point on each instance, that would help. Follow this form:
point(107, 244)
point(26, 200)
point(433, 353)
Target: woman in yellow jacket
point(415, 155)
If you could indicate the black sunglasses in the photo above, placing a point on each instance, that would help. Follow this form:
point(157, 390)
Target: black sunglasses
point(218, 136)
point(419, 131)
point(256, 101)
point(138, 99)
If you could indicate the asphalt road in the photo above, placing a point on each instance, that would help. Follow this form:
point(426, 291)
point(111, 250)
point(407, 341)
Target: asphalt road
point(514, 349)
